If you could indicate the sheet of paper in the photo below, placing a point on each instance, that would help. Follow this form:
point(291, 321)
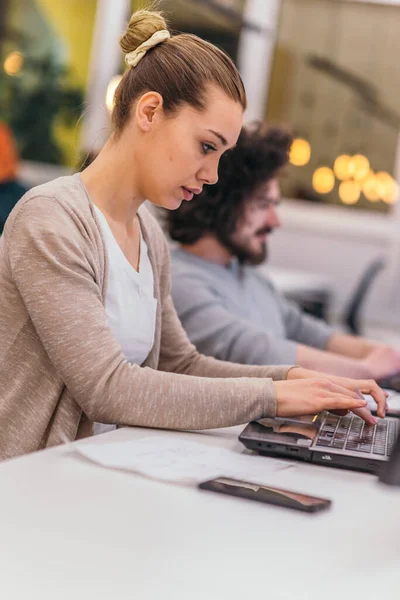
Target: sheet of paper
point(393, 400)
point(180, 460)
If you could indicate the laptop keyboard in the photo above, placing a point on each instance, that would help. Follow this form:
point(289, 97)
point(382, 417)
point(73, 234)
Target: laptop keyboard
point(353, 434)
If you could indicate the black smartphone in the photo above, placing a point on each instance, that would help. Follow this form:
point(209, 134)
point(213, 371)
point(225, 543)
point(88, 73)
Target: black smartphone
point(267, 494)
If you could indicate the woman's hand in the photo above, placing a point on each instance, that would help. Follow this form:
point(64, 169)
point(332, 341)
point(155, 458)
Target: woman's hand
point(312, 395)
point(309, 392)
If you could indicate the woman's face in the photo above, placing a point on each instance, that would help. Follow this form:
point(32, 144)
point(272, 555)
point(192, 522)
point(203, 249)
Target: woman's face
point(180, 153)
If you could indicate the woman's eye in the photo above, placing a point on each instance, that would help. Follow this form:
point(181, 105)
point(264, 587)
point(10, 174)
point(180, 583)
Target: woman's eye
point(207, 148)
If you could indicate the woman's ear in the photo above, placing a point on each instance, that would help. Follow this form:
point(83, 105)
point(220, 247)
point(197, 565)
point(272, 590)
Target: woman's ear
point(148, 108)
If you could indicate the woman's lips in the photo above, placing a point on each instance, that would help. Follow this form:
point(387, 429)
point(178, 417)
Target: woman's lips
point(187, 194)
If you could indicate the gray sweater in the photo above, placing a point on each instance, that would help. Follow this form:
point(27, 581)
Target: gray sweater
point(235, 314)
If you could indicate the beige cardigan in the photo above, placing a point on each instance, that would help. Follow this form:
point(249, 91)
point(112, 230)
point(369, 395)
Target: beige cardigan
point(61, 367)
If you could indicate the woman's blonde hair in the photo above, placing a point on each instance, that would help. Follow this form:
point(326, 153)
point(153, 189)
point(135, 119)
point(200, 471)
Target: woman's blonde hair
point(179, 69)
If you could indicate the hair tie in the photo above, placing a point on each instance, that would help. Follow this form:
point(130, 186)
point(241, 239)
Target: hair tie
point(132, 58)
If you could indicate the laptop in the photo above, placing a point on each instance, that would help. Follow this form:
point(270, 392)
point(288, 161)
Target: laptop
point(390, 473)
point(346, 442)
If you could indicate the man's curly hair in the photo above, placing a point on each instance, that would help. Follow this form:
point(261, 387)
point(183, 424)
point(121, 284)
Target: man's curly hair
point(259, 155)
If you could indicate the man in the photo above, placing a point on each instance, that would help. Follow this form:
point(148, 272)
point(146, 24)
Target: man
point(228, 309)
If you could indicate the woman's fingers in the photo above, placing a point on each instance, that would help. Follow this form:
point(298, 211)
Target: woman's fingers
point(341, 413)
point(366, 386)
point(365, 414)
point(311, 395)
point(369, 386)
point(354, 395)
point(341, 400)
point(359, 406)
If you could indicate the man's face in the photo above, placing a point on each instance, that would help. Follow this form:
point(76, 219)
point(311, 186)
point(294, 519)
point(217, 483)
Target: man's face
point(260, 217)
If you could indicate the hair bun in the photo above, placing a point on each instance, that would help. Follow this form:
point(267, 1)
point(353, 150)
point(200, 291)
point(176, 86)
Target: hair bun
point(142, 25)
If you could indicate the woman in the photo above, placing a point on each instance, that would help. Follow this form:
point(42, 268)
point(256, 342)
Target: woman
point(88, 330)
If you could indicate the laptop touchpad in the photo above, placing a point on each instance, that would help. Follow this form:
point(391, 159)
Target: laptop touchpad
point(281, 430)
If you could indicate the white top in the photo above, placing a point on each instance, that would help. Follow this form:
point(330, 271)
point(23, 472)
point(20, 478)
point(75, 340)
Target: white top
point(130, 303)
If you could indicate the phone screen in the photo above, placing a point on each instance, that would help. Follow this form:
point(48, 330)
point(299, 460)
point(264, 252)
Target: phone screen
point(267, 494)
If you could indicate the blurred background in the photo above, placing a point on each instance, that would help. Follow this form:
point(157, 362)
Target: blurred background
point(325, 68)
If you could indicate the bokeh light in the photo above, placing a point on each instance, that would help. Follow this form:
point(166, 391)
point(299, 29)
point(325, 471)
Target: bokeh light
point(13, 63)
point(300, 152)
point(112, 86)
point(349, 192)
point(323, 180)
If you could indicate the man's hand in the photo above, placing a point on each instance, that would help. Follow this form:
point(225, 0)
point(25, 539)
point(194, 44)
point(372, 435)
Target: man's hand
point(381, 361)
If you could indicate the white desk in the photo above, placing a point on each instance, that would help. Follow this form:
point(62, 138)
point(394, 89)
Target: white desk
point(313, 292)
point(292, 282)
point(70, 529)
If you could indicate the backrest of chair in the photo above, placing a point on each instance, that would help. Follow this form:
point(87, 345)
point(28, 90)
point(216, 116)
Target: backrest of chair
point(352, 313)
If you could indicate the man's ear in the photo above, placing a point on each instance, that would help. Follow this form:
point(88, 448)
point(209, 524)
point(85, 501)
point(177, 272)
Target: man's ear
point(148, 108)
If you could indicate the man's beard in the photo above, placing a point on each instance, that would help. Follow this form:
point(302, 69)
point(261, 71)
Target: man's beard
point(242, 250)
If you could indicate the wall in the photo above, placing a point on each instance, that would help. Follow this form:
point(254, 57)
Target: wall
point(360, 38)
point(331, 240)
point(340, 244)
point(72, 22)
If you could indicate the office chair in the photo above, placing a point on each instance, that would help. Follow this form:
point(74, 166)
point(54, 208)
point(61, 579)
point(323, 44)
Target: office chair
point(352, 314)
